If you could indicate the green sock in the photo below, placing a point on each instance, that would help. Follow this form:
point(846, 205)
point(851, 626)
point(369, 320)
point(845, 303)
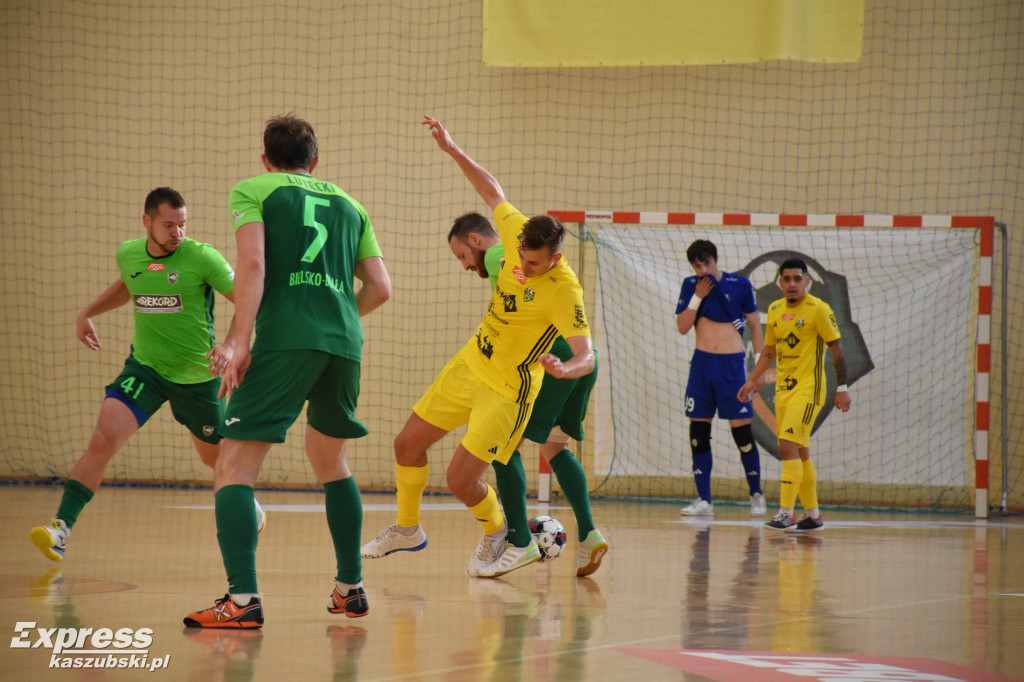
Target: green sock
point(345, 520)
point(75, 497)
point(236, 534)
point(573, 482)
point(511, 482)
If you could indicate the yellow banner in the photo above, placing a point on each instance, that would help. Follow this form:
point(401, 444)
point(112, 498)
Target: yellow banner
point(662, 32)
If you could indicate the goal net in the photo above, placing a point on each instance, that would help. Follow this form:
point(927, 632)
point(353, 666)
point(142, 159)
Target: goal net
point(907, 303)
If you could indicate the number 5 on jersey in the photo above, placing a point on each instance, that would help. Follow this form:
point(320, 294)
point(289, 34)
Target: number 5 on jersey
point(309, 218)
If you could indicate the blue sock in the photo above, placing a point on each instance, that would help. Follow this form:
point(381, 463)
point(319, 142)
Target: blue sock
point(702, 474)
point(752, 468)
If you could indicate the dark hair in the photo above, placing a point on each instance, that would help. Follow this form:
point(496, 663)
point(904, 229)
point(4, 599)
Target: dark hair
point(543, 230)
point(471, 223)
point(701, 251)
point(162, 195)
point(289, 143)
point(793, 264)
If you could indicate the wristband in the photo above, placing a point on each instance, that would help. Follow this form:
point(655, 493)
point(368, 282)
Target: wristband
point(757, 356)
point(694, 303)
point(841, 388)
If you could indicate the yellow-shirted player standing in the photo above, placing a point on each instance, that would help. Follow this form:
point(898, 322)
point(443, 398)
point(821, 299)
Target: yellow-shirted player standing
point(799, 327)
point(491, 383)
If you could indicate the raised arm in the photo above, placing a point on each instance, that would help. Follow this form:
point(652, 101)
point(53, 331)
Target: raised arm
point(483, 182)
point(376, 287)
point(114, 296)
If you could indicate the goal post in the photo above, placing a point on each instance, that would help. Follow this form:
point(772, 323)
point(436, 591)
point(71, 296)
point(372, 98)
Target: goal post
point(913, 296)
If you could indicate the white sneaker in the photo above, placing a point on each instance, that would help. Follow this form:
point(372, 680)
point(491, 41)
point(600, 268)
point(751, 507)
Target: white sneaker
point(758, 507)
point(698, 507)
point(51, 539)
point(590, 553)
point(489, 550)
point(261, 516)
point(511, 558)
point(391, 540)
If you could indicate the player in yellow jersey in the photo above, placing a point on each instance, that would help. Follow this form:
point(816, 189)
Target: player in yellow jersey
point(492, 382)
point(798, 329)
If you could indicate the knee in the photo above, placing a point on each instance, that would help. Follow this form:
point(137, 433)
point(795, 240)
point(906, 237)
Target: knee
point(744, 437)
point(462, 484)
point(102, 446)
point(405, 450)
point(700, 437)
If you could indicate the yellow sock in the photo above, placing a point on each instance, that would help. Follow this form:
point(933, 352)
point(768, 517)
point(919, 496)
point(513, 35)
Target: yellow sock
point(792, 476)
point(488, 513)
point(410, 482)
point(809, 486)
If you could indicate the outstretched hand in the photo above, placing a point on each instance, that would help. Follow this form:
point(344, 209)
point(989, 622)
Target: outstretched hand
point(441, 136)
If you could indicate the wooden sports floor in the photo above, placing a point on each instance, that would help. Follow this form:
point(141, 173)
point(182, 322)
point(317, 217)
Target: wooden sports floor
point(876, 596)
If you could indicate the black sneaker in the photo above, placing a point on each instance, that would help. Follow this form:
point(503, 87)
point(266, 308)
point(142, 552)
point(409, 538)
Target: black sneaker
point(781, 521)
point(353, 604)
point(807, 524)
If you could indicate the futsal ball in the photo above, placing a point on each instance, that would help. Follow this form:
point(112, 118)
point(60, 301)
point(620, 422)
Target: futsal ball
point(549, 535)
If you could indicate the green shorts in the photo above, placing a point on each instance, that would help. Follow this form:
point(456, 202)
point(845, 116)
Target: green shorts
point(144, 390)
point(278, 383)
point(562, 403)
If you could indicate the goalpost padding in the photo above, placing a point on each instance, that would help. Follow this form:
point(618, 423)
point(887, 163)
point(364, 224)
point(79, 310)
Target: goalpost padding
point(935, 390)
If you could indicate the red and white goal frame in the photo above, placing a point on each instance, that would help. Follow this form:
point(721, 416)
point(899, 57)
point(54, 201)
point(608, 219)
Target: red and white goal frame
point(985, 225)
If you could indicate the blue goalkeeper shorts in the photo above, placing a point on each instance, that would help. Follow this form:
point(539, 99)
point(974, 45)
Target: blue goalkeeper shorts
point(714, 381)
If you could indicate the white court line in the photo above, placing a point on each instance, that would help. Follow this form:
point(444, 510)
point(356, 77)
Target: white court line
point(875, 524)
point(304, 508)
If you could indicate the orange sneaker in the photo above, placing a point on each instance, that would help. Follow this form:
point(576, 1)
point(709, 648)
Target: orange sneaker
point(354, 604)
point(225, 613)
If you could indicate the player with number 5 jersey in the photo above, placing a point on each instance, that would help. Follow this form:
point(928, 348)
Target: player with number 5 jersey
point(316, 233)
point(302, 243)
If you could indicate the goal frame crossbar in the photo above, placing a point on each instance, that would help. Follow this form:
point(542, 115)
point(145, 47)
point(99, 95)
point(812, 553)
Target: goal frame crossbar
point(984, 225)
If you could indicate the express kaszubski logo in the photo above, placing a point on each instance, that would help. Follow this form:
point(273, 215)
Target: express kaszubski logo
point(91, 647)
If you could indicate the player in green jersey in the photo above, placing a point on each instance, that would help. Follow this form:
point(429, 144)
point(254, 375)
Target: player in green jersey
point(492, 383)
point(302, 243)
point(169, 279)
point(798, 328)
point(557, 416)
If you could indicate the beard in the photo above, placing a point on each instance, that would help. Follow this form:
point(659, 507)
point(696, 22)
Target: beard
point(481, 267)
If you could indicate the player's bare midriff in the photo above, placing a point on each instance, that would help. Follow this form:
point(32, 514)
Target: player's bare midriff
point(718, 337)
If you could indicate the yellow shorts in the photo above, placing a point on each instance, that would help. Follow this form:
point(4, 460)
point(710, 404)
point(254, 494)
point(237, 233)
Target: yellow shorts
point(458, 396)
point(795, 418)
